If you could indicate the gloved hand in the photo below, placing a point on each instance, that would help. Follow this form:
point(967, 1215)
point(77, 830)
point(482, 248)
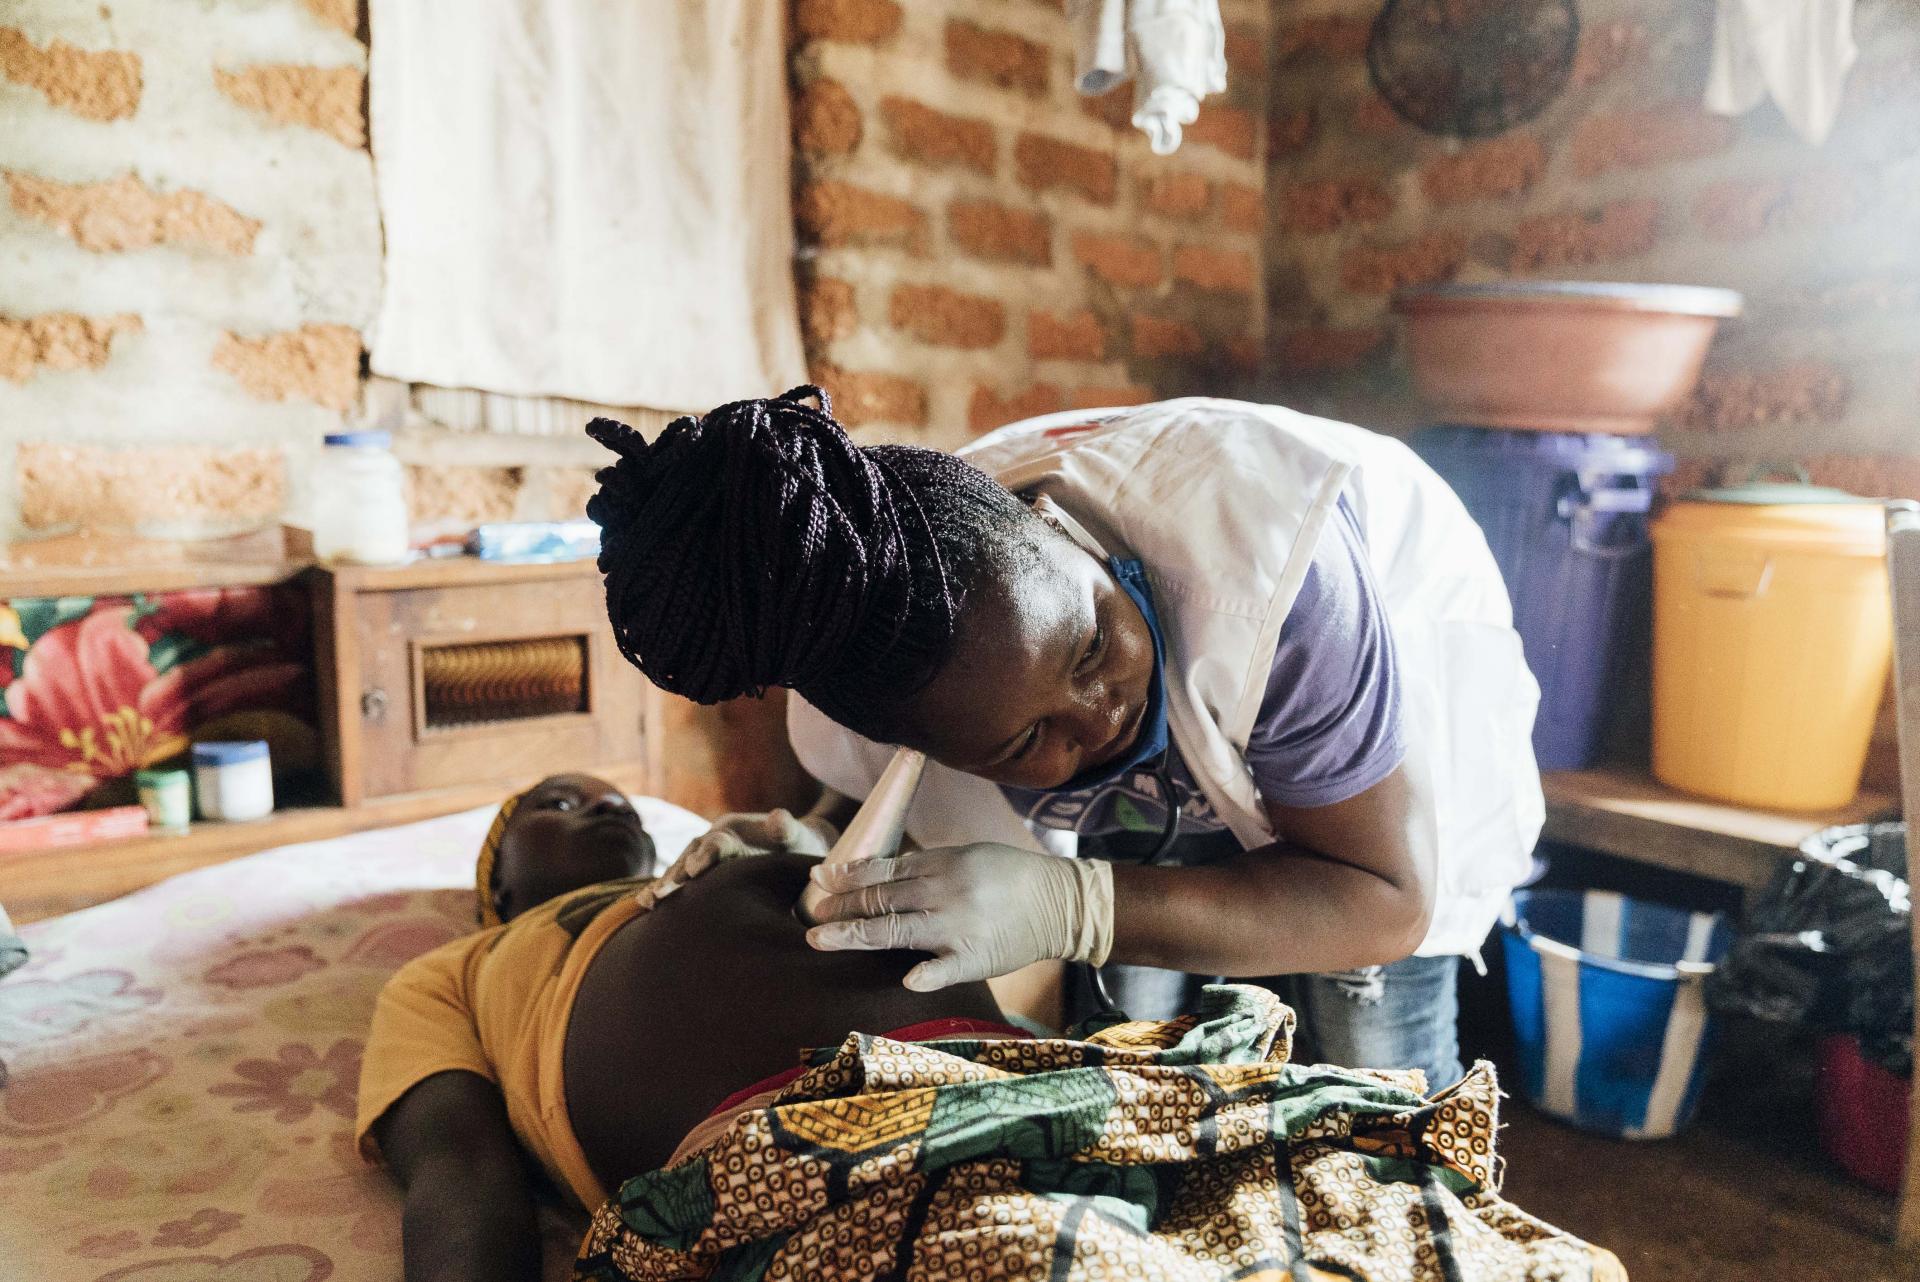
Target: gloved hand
point(737, 836)
point(982, 910)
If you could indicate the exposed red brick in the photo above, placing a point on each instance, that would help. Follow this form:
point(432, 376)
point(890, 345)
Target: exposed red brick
point(1119, 260)
point(826, 120)
point(857, 21)
point(466, 494)
point(1327, 351)
point(1621, 229)
point(318, 363)
point(837, 213)
point(1242, 208)
point(1742, 208)
point(1852, 297)
point(1227, 128)
point(1225, 270)
point(1330, 203)
point(988, 410)
point(1155, 336)
point(1806, 392)
point(59, 341)
point(996, 58)
point(147, 486)
point(1246, 49)
point(1045, 163)
point(326, 99)
point(1114, 107)
point(946, 317)
point(1880, 476)
point(341, 15)
point(917, 132)
point(126, 214)
point(1373, 117)
point(1333, 36)
point(1178, 195)
point(1077, 336)
point(1290, 132)
point(1000, 233)
point(1099, 398)
point(1662, 135)
point(862, 397)
point(1606, 48)
point(827, 311)
point(98, 86)
point(1243, 353)
point(1371, 269)
point(1506, 166)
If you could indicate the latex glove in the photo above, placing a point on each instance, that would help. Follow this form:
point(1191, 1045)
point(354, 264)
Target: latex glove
point(739, 836)
point(982, 910)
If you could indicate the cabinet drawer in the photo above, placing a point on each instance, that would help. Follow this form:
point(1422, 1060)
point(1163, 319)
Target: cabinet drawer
point(463, 684)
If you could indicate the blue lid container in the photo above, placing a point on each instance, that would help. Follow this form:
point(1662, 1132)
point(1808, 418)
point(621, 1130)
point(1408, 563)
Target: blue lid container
point(228, 752)
point(1566, 517)
point(360, 440)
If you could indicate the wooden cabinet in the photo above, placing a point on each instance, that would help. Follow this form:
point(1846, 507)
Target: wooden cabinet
point(447, 674)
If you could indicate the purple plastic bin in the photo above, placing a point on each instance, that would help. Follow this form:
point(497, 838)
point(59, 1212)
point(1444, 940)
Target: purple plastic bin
point(1566, 517)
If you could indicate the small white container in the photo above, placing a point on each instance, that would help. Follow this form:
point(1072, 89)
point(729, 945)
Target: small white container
point(233, 780)
point(359, 505)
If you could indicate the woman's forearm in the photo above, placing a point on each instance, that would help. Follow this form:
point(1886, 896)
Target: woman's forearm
point(1274, 911)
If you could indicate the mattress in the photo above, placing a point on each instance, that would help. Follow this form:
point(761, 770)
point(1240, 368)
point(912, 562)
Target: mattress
point(184, 1062)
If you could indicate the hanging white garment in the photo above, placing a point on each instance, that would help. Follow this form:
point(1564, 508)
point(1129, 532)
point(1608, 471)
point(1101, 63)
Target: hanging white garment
point(585, 199)
point(1174, 50)
point(1799, 51)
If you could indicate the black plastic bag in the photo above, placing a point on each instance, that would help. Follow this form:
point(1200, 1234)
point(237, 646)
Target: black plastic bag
point(1828, 944)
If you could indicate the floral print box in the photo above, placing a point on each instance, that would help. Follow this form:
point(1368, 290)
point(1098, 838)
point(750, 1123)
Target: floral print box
point(95, 688)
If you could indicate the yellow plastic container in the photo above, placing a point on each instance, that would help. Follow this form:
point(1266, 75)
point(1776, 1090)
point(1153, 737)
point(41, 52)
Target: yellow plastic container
point(1772, 637)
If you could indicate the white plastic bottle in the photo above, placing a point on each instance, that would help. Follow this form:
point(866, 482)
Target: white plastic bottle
point(358, 503)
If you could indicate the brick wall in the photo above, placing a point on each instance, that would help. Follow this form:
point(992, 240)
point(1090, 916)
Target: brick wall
point(191, 252)
point(1624, 178)
point(978, 243)
point(190, 245)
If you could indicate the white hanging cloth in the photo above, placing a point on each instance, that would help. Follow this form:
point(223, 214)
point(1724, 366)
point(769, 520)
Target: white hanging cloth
point(1799, 51)
point(1174, 50)
point(585, 199)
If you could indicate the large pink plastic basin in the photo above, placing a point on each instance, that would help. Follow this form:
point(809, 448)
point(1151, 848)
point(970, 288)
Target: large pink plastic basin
point(1560, 356)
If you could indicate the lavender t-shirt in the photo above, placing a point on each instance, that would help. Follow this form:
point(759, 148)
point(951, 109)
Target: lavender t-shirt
point(1329, 725)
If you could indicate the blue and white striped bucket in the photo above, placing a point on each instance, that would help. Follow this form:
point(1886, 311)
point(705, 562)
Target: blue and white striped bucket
point(1609, 1008)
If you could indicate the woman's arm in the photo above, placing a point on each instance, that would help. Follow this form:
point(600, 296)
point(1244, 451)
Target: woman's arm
point(469, 1211)
point(1349, 885)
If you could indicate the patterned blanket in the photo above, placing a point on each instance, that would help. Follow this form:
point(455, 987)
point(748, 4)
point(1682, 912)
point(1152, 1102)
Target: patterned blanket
point(1190, 1149)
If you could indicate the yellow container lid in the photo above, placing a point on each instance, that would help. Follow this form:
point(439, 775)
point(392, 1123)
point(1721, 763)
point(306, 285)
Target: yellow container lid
point(1791, 513)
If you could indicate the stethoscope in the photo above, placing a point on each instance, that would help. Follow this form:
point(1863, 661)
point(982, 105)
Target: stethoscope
point(1169, 829)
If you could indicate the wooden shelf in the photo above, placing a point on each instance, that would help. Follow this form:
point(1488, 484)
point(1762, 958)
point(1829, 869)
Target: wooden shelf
point(1626, 813)
point(457, 571)
point(43, 883)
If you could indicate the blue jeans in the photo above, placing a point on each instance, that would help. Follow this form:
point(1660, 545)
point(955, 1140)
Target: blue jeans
point(1403, 1015)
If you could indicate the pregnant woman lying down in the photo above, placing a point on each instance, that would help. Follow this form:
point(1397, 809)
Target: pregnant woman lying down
point(647, 1061)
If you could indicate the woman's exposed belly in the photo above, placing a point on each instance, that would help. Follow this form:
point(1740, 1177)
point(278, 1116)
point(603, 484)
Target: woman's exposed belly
point(715, 989)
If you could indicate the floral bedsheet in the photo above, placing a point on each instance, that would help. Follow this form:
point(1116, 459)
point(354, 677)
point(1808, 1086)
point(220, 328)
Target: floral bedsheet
point(184, 1060)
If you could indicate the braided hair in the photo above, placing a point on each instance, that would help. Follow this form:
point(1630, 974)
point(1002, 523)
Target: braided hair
point(758, 546)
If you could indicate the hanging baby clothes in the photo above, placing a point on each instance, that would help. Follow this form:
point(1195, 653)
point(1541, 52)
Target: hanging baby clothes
point(1174, 50)
point(1799, 51)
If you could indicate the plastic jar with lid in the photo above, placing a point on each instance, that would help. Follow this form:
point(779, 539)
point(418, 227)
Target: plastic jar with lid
point(359, 505)
point(1772, 639)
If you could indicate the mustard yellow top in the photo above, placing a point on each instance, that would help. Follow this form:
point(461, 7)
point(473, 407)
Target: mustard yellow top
point(496, 1003)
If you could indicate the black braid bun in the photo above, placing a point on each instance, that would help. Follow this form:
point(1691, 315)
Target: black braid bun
point(759, 546)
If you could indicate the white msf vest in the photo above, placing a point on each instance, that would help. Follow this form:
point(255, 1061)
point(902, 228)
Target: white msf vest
point(1224, 502)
